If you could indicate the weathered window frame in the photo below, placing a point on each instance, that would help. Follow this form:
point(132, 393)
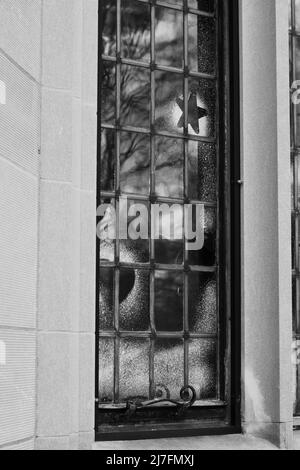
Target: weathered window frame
point(228, 420)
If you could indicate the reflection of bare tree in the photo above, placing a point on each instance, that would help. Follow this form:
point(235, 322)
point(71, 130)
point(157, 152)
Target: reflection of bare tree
point(107, 159)
point(135, 29)
point(135, 94)
point(108, 26)
point(134, 145)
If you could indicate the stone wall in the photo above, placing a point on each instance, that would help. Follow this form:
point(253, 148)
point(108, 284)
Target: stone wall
point(266, 246)
point(20, 75)
point(48, 106)
point(66, 298)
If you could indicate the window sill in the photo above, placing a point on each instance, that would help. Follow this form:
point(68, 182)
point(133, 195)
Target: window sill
point(229, 442)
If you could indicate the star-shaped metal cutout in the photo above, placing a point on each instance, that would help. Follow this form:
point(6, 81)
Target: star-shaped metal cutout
point(194, 112)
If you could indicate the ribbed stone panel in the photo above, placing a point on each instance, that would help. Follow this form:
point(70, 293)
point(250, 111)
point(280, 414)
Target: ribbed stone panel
point(17, 386)
point(27, 444)
point(19, 111)
point(20, 33)
point(18, 246)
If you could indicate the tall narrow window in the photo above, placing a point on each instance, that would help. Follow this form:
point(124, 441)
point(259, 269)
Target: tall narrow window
point(164, 173)
point(295, 167)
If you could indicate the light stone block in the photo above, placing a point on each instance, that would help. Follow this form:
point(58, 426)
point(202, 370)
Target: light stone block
point(74, 383)
point(76, 141)
point(55, 287)
point(89, 148)
point(77, 48)
point(87, 382)
point(54, 384)
point(87, 261)
point(75, 260)
point(86, 440)
point(265, 235)
point(57, 43)
point(90, 51)
point(57, 443)
point(56, 158)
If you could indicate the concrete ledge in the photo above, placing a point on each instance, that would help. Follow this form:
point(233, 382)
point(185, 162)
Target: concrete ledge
point(232, 442)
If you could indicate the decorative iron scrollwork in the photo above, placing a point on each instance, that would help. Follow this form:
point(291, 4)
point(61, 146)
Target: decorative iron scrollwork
point(187, 395)
point(161, 391)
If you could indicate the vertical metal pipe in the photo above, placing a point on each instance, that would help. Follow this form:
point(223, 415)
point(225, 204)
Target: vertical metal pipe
point(186, 192)
point(297, 240)
point(152, 193)
point(218, 53)
point(117, 240)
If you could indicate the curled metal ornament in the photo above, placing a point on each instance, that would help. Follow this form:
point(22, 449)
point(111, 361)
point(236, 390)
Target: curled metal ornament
point(187, 395)
point(161, 391)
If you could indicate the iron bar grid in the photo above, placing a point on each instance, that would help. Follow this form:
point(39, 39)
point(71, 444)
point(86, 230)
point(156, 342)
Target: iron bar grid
point(157, 334)
point(158, 199)
point(158, 267)
point(152, 193)
point(198, 403)
point(117, 205)
point(186, 335)
point(218, 235)
point(186, 194)
point(146, 132)
point(175, 6)
point(156, 67)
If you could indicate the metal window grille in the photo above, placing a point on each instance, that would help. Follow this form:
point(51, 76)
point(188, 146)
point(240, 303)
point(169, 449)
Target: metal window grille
point(133, 375)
